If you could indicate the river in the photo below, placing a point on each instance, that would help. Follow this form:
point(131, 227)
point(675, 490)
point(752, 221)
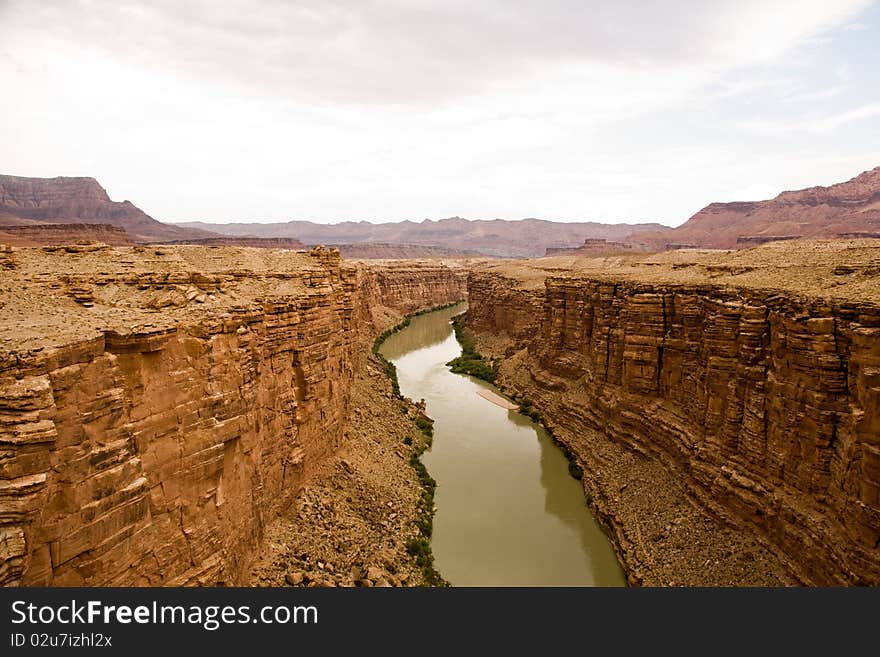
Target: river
point(508, 512)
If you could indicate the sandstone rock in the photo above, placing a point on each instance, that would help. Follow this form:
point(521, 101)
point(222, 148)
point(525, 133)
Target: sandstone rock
point(846, 209)
point(155, 454)
point(50, 202)
point(766, 404)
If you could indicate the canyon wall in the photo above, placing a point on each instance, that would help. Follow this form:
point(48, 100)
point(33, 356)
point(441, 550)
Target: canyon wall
point(147, 443)
point(258, 242)
point(407, 286)
point(765, 404)
point(501, 305)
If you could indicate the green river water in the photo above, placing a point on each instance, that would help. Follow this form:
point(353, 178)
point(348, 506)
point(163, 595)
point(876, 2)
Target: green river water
point(508, 512)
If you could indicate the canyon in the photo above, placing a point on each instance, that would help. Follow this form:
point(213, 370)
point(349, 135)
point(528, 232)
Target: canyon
point(178, 415)
point(725, 407)
point(160, 407)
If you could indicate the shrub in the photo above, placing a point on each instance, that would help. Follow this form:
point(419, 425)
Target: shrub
point(471, 361)
point(425, 527)
point(476, 368)
point(425, 425)
point(531, 412)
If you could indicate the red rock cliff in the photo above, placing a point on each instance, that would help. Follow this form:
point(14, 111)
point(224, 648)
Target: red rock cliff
point(765, 404)
point(173, 401)
point(59, 234)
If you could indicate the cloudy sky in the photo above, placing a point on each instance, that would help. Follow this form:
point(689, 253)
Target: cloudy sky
point(618, 110)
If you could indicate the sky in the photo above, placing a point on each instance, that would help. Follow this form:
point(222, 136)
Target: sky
point(385, 110)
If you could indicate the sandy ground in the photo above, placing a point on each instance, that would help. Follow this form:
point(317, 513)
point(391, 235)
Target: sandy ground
point(498, 400)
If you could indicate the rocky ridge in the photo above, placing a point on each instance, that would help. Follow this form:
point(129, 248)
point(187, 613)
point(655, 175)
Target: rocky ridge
point(66, 200)
point(496, 237)
point(842, 210)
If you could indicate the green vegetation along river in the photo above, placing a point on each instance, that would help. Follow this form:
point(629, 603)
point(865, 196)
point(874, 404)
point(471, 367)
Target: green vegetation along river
point(508, 511)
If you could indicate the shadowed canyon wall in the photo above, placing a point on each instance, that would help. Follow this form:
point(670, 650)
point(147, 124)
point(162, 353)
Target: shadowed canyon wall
point(178, 407)
point(766, 404)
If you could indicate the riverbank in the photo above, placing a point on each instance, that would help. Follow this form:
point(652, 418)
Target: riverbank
point(498, 400)
point(662, 536)
point(352, 522)
point(364, 518)
point(508, 512)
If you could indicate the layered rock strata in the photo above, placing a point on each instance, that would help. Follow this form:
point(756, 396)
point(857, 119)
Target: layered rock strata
point(764, 404)
point(259, 242)
point(841, 210)
point(58, 234)
point(159, 406)
point(80, 200)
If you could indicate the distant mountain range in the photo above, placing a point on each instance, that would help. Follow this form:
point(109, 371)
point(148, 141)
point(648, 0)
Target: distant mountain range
point(496, 237)
point(846, 209)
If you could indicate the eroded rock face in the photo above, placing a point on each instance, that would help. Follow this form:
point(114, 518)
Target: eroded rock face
point(766, 404)
point(407, 286)
point(150, 443)
point(79, 200)
point(258, 242)
point(514, 310)
point(846, 209)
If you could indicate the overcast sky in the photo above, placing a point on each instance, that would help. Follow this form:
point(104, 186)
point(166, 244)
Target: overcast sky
point(624, 110)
